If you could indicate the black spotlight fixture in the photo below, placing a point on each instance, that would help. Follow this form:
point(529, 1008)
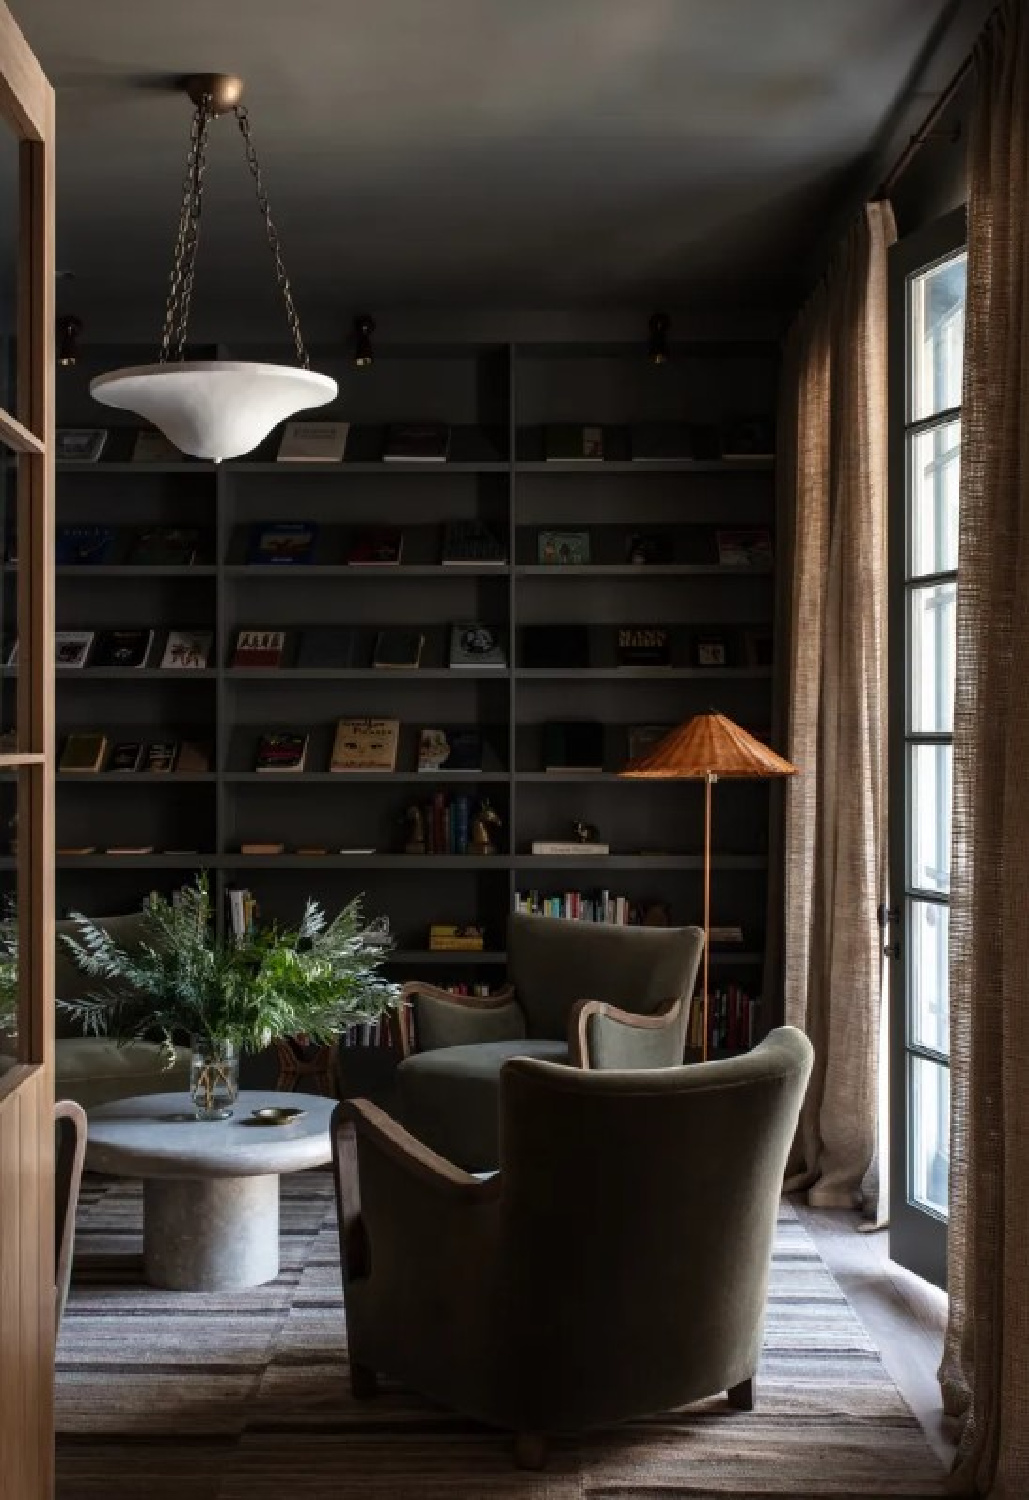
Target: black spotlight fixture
point(68, 330)
point(364, 327)
point(657, 344)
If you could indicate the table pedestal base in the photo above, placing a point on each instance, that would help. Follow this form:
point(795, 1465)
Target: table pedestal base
point(211, 1234)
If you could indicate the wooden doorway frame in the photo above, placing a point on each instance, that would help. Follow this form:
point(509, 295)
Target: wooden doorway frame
point(27, 1089)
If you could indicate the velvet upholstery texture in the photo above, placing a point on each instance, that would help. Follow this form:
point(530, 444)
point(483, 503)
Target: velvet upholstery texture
point(616, 1266)
point(94, 1070)
point(448, 1088)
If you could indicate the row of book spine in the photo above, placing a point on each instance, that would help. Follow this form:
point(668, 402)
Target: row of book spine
point(581, 906)
point(732, 1020)
point(447, 821)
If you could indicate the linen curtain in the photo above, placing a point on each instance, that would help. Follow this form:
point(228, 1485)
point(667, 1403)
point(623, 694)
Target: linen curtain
point(985, 1370)
point(832, 527)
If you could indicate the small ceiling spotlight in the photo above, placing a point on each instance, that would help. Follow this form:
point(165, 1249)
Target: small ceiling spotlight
point(657, 344)
point(68, 330)
point(364, 327)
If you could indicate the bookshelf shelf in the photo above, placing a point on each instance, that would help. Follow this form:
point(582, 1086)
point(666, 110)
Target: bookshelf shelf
point(498, 399)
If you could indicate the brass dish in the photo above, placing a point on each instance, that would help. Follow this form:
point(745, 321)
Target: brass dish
point(274, 1115)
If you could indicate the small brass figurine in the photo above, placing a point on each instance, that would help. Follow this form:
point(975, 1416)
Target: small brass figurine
point(585, 833)
point(414, 826)
point(486, 818)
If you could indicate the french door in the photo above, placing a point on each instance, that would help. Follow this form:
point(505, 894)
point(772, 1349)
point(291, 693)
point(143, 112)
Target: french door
point(26, 773)
point(927, 305)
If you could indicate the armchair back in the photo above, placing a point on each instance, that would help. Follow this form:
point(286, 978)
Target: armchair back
point(552, 963)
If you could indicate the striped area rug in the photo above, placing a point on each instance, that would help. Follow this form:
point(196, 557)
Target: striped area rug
point(163, 1395)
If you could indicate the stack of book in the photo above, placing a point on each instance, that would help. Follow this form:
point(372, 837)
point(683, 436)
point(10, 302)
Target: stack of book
point(448, 937)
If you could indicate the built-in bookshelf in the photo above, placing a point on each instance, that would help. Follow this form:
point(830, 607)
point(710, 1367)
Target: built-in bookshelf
point(499, 402)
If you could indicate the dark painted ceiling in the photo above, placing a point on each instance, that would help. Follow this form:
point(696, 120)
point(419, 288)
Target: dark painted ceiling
point(490, 152)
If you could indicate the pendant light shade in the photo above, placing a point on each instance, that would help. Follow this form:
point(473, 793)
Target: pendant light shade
point(214, 408)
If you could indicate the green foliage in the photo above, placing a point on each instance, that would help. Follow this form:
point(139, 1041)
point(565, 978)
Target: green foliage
point(310, 981)
point(9, 971)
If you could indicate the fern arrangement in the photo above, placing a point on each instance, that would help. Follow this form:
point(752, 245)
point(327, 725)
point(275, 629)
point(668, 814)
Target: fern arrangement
point(9, 972)
point(184, 980)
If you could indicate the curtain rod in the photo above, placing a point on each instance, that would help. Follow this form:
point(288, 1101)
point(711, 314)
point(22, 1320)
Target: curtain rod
point(926, 132)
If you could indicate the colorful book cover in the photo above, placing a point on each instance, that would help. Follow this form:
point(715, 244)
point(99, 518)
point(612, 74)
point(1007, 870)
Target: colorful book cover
point(78, 545)
point(259, 648)
point(450, 749)
point(282, 544)
point(122, 648)
point(187, 649)
point(563, 548)
point(281, 750)
point(473, 644)
point(366, 745)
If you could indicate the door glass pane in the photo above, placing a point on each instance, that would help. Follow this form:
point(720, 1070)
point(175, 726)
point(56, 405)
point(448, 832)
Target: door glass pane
point(937, 332)
point(930, 1134)
point(935, 466)
point(932, 645)
point(930, 810)
point(928, 988)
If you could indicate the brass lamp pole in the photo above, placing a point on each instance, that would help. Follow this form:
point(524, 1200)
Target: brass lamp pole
point(709, 747)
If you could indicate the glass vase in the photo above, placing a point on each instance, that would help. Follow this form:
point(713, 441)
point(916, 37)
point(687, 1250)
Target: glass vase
point(213, 1078)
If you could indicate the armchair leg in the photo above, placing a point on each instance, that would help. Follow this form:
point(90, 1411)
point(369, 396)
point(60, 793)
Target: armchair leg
point(741, 1397)
point(364, 1383)
point(530, 1450)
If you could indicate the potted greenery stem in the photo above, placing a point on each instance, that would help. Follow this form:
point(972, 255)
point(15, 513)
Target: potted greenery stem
point(229, 995)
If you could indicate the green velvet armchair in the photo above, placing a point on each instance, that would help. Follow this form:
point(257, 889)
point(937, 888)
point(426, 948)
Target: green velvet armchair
point(615, 1267)
point(585, 993)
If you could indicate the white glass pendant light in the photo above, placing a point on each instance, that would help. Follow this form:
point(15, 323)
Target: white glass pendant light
point(213, 408)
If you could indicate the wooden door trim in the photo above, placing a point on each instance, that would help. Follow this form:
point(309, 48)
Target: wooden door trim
point(17, 436)
point(26, 98)
point(15, 1077)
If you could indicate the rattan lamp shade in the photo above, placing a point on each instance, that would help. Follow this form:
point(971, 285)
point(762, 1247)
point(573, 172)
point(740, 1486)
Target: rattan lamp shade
point(707, 748)
point(709, 745)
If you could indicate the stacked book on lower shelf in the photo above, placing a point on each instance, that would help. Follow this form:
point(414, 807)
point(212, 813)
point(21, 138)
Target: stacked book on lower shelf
point(733, 1018)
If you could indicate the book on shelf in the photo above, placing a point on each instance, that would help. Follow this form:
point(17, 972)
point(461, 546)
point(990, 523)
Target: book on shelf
point(76, 546)
point(253, 847)
point(733, 1019)
point(649, 548)
point(642, 738)
point(592, 906)
point(473, 644)
point(356, 849)
point(449, 937)
point(449, 749)
point(71, 649)
point(122, 648)
point(570, 441)
point(332, 646)
point(126, 755)
point(660, 442)
point(758, 646)
point(281, 750)
point(573, 745)
point(563, 548)
point(75, 849)
point(313, 442)
point(365, 745)
point(398, 648)
point(471, 543)
point(643, 645)
point(416, 442)
point(80, 445)
point(376, 547)
point(193, 756)
point(555, 646)
point(187, 649)
point(282, 543)
point(310, 850)
point(130, 849)
point(749, 438)
point(729, 934)
point(259, 648)
point(152, 447)
point(83, 752)
point(569, 846)
point(161, 756)
point(746, 548)
point(443, 824)
point(243, 911)
point(165, 546)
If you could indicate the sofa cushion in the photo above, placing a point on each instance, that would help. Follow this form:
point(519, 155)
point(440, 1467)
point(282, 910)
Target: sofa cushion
point(93, 1070)
point(449, 1097)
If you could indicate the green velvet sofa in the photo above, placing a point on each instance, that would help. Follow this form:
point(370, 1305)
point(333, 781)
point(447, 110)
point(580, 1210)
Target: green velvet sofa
point(93, 1070)
point(615, 1267)
point(447, 1085)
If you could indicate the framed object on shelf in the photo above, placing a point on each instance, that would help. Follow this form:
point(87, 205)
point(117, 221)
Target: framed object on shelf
point(711, 649)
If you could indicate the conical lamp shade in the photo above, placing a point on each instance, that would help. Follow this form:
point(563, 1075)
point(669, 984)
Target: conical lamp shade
point(708, 745)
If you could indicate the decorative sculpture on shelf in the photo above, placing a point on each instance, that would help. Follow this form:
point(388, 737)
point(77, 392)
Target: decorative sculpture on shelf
point(585, 833)
point(486, 819)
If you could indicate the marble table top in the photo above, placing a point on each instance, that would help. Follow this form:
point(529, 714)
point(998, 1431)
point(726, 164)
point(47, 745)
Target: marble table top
point(157, 1135)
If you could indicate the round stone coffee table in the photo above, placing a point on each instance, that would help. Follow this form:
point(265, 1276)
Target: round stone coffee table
point(211, 1188)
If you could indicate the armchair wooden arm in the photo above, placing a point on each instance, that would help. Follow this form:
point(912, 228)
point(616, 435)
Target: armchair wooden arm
point(632, 1041)
point(468, 1004)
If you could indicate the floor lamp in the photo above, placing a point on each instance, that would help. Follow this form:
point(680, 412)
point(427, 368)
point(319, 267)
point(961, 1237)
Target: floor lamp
point(707, 748)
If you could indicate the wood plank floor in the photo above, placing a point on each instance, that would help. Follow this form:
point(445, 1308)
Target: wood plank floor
point(905, 1316)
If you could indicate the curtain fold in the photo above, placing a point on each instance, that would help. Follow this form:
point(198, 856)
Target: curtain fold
point(985, 1370)
point(832, 474)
